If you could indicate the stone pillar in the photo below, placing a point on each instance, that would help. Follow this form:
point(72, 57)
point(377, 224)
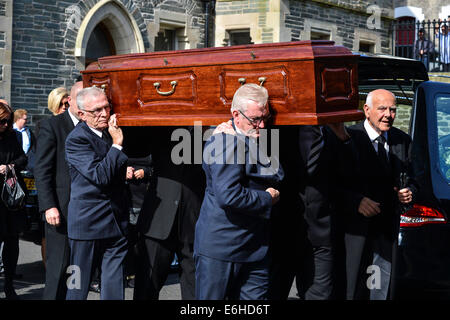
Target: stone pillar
point(6, 12)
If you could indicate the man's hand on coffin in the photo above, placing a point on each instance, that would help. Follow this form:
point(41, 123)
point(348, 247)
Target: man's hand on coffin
point(115, 131)
point(225, 127)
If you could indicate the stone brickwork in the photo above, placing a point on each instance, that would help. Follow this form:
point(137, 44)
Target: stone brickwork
point(348, 17)
point(5, 48)
point(403, 117)
point(44, 41)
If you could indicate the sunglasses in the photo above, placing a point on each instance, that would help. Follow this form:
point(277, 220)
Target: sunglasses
point(66, 104)
point(4, 121)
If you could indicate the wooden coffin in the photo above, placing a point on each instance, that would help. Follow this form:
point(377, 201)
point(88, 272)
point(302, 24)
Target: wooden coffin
point(309, 82)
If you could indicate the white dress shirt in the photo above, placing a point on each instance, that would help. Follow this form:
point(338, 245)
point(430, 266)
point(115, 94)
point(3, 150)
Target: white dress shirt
point(373, 135)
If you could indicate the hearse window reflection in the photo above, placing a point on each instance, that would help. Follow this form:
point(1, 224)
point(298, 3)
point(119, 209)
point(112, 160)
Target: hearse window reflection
point(443, 133)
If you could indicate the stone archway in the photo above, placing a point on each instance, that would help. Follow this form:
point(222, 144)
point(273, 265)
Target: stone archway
point(123, 30)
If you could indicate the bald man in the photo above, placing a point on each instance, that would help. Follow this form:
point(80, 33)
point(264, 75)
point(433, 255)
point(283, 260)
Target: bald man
point(53, 186)
point(371, 230)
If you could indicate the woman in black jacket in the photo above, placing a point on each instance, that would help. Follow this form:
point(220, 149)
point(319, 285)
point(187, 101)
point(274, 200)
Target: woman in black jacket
point(11, 223)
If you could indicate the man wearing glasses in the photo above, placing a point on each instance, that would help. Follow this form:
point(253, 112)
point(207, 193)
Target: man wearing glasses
point(98, 211)
point(232, 232)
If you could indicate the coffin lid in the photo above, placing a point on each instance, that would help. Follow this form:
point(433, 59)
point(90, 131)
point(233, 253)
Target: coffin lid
point(259, 53)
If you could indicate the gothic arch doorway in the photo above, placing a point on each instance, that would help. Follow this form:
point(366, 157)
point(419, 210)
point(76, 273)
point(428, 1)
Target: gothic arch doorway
point(107, 29)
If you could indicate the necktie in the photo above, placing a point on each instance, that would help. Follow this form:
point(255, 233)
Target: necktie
point(382, 155)
point(316, 148)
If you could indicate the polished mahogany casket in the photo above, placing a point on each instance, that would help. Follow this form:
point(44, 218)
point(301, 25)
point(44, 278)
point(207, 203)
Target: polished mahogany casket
point(309, 82)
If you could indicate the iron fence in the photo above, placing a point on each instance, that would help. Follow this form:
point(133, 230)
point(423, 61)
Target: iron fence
point(431, 45)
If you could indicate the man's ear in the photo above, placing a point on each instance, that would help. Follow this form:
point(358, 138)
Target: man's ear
point(80, 114)
point(235, 115)
point(366, 110)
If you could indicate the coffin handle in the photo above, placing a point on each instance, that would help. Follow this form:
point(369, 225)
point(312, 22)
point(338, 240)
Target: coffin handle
point(242, 81)
point(261, 81)
point(168, 93)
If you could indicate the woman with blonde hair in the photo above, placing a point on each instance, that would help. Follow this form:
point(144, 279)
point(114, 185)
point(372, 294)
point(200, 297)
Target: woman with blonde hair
point(58, 100)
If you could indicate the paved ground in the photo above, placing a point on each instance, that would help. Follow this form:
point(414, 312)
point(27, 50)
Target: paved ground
point(31, 286)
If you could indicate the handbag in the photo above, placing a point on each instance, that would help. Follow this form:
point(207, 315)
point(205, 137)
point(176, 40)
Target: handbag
point(13, 196)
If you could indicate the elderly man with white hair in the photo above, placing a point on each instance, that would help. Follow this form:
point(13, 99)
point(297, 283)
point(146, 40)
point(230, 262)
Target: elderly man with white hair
point(232, 233)
point(382, 183)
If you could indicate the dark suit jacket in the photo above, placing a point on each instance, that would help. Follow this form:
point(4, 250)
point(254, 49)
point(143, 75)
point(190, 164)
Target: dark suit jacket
point(97, 206)
point(372, 181)
point(322, 189)
point(234, 218)
point(173, 189)
point(51, 171)
point(31, 151)
point(30, 137)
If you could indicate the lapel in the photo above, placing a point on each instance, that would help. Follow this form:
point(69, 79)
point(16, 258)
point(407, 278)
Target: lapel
point(67, 123)
point(102, 146)
point(396, 151)
point(371, 153)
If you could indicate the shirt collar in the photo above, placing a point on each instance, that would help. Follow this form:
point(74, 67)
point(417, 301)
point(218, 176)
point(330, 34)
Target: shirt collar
point(20, 130)
point(371, 131)
point(74, 119)
point(97, 132)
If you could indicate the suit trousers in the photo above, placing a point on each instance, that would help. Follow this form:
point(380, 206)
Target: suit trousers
point(57, 261)
point(111, 253)
point(373, 280)
point(153, 266)
point(220, 280)
point(315, 280)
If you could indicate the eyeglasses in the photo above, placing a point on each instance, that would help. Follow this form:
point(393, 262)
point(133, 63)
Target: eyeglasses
point(66, 104)
point(256, 121)
point(99, 111)
point(4, 121)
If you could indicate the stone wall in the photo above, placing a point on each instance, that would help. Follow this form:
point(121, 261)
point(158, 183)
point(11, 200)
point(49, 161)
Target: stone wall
point(348, 22)
point(44, 36)
point(5, 48)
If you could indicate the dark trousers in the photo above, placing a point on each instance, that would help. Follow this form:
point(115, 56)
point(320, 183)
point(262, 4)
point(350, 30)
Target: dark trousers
point(10, 256)
point(153, 266)
point(219, 280)
point(283, 269)
point(372, 279)
point(111, 253)
point(315, 280)
point(445, 67)
point(57, 261)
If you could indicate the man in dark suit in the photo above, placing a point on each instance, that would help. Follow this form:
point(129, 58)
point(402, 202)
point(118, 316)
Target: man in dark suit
point(326, 152)
point(371, 228)
point(167, 219)
point(304, 228)
point(53, 186)
point(232, 232)
point(25, 136)
point(97, 212)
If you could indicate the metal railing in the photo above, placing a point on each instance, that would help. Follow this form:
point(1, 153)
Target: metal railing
point(435, 42)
